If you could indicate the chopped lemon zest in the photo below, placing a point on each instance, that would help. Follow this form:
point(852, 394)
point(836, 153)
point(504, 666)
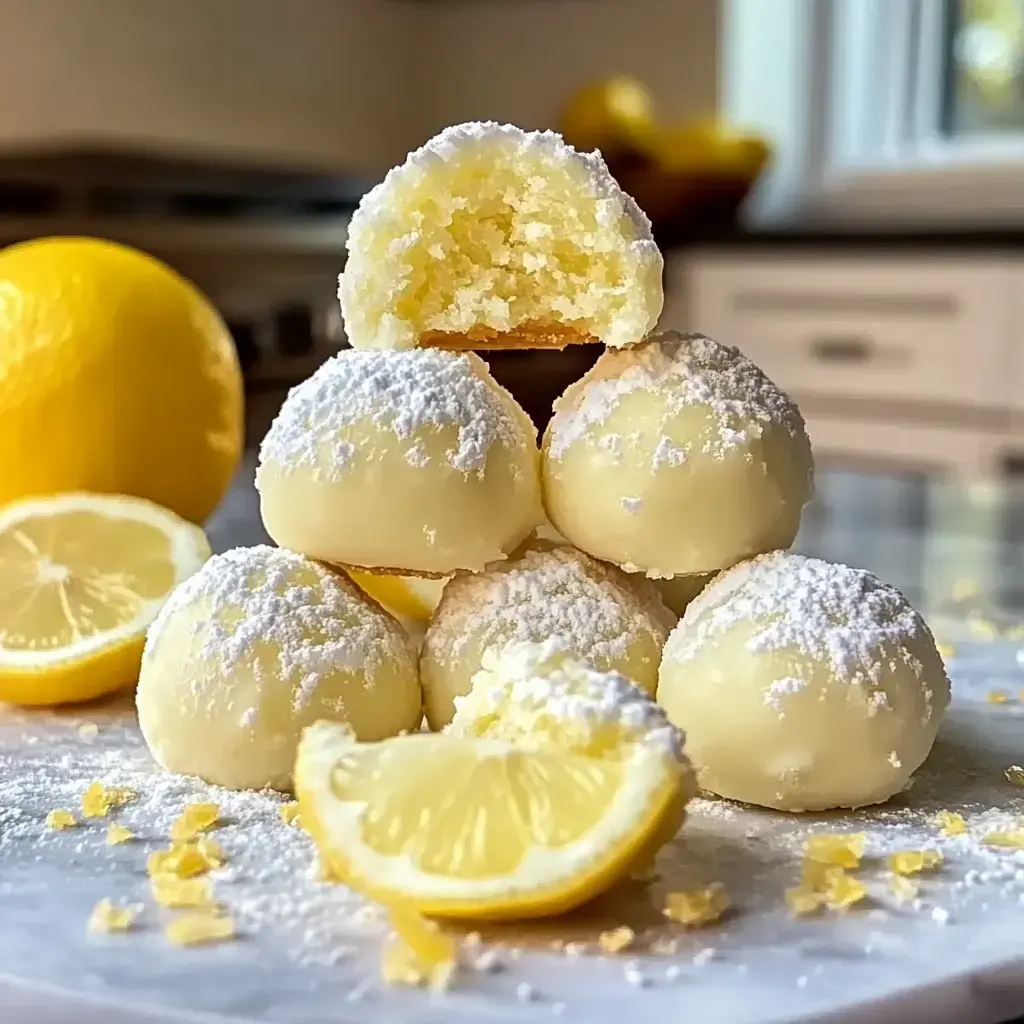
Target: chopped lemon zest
point(108, 917)
point(194, 819)
point(419, 952)
point(997, 696)
point(60, 819)
point(840, 849)
point(99, 800)
point(616, 939)
point(117, 834)
point(911, 862)
point(904, 889)
point(950, 823)
point(289, 813)
point(212, 851)
point(170, 891)
point(1006, 837)
point(184, 861)
point(698, 906)
point(198, 928)
point(803, 900)
point(844, 891)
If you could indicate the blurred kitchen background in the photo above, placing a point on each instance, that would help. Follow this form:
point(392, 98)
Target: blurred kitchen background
point(838, 186)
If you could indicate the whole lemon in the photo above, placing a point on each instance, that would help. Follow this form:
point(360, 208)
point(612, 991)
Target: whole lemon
point(116, 375)
point(610, 115)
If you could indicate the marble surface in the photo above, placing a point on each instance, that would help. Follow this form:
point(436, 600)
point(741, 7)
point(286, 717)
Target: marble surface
point(308, 953)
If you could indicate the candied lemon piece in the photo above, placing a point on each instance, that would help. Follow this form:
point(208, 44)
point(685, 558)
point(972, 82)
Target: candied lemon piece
point(997, 696)
point(199, 928)
point(84, 576)
point(171, 891)
point(803, 900)
point(99, 800)
point(843, 891)
point(476, 828)
point(904, 889)
point(697, 907)
point(195, 818)
point(1013, 838)
point(489, 236)
point(289, 813)
point(836, 848)
point(616, 939)
point(212, 851)
point(109, 917)
point(912, 862)
point(951, 823)
point(60, 819)
point(118, 834)
point(1015, 775)
point(419, 952)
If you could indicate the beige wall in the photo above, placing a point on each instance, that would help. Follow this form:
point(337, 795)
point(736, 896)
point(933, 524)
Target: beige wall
point(345, 84)
point(298, 79)
point(514, 60)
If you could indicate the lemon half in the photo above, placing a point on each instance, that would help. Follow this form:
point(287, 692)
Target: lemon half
point(478, 828)
point(83, 575)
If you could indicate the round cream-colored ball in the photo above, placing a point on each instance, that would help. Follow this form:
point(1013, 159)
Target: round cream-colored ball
point(257, 645)
point(803, 685)
point(416, 461)
point(604, 618)
point(677, 456)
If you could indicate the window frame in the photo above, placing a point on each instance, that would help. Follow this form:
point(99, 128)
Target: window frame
point(856, 111)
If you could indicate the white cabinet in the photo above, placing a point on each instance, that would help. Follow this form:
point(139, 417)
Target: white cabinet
point(909, 361)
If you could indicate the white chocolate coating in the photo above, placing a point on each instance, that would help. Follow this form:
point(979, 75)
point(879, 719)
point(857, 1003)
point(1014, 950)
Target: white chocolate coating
point(803, 685)
point(489, 235)
point(677, 456)
point(416, 461)
point(257, 645)
point(605, 619)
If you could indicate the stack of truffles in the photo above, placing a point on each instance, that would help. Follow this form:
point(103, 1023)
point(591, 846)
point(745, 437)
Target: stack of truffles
point(673, 462)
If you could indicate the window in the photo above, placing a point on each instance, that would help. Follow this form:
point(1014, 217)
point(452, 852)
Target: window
point(885, 110)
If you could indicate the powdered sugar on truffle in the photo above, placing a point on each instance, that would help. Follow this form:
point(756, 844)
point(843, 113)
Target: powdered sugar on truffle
point(540, 688)
point(408, 394)
point(843, 617)
point(547, 590)
point(262, 602)
point(687, 371)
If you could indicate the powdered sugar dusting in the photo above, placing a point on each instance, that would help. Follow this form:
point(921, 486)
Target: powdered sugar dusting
point(251, 601)
point(323, 423)
point(685, 371)
point(548, 590)
point(780, 688)
point(844, 617)
point(539, 688)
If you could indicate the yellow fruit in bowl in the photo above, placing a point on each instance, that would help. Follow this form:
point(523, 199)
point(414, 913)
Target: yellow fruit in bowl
point(710, 147)
point(612, 114)
point(83, 577)
point(116, 376)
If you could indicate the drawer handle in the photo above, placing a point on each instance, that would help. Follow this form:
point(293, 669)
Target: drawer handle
point(841, 349)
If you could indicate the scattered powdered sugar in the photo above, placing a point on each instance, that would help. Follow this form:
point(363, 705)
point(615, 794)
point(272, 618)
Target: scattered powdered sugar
point(248, 601)
point(782, 687)
point(682, 371)
point(537, 688)
point(409, 394)
point(547, 590)
point(632, 505)
point(844, 617)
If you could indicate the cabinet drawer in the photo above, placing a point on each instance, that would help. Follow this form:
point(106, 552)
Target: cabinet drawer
point(864, 328)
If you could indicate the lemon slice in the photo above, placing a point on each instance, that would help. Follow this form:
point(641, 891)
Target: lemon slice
point(409, 597)
point(478, 828)
point(83, 576)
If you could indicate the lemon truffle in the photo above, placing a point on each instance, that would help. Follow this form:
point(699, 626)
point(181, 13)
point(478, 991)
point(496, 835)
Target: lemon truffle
point(675, 457)
point(605, 618)
point(803, 685)
point(257, 645)
point(413, 461)
point(489, 236)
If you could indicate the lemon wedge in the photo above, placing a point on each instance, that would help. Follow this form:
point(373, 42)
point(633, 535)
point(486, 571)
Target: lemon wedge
point(408, 597)
point(475, 828)
point(83, 576)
